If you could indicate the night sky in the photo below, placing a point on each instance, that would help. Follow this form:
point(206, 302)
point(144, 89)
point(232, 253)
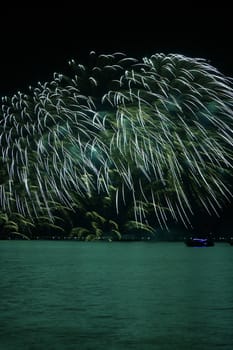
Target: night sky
point(35, 42)
point(38, 41)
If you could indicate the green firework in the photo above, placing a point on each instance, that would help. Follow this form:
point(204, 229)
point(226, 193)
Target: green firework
point(158, 130)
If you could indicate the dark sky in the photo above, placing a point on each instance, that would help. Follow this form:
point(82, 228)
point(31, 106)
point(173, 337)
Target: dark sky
point(38, 41)
point(35, 42)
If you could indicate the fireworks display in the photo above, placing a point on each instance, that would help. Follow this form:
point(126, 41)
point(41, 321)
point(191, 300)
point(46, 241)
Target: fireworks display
point(157, 131)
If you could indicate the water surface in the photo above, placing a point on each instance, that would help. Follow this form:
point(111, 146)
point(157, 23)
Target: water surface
point(119, 296)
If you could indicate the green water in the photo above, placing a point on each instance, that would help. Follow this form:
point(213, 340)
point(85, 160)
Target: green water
point(144, 296)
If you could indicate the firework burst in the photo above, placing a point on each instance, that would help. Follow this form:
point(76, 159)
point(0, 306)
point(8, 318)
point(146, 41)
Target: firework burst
point(159, 131)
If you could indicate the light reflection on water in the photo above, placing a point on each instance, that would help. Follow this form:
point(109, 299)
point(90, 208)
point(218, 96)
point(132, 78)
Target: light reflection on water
point(73, 295)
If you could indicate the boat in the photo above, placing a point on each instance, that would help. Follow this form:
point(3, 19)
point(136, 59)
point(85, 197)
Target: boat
point(199, 242)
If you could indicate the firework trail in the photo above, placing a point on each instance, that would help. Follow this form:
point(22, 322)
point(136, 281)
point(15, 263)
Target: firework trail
point(159, 130)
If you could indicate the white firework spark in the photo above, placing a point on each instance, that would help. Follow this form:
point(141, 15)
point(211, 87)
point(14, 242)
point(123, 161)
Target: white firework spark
point(159, 130)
